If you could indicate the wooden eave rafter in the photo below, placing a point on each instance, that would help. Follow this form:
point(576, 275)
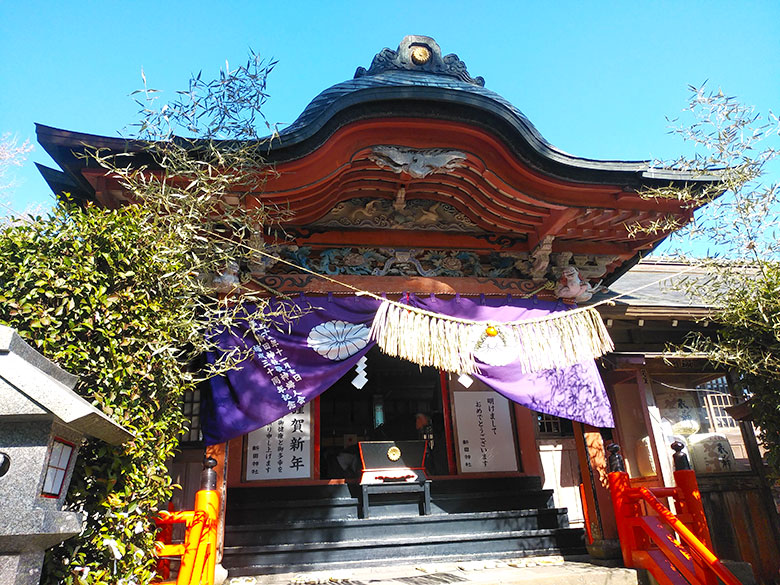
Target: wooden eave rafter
point(498, 192)
point(485, 151)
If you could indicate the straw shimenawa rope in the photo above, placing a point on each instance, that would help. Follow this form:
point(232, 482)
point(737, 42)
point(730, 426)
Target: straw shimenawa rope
point(448, 343)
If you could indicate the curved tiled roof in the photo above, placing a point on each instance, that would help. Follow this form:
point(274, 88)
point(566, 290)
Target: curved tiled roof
point(399, 84)
point(398, 79)
point(396, 86)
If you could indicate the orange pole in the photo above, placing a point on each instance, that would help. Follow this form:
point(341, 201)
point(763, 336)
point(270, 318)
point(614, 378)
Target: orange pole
point(207, 501)
point(187, 569)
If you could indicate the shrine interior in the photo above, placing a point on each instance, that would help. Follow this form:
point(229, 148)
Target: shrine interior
point(385, 409)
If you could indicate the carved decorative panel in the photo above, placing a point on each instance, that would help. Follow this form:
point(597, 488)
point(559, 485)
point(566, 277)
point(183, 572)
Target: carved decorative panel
point(365, 212)
point(429, 263)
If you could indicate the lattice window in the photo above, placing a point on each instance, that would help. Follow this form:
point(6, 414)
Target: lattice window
point(717, 385)
point(716, 401)
point(716, 407)
point(191, 407)
point(550, 425)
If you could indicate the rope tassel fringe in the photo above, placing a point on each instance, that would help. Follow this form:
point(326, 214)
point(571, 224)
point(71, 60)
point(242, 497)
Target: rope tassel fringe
point(455, 345)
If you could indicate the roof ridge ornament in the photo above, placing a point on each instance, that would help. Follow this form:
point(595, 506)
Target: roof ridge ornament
point(419, 53)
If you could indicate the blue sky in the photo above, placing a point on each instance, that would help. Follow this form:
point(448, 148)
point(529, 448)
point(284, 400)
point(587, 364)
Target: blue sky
point(598, 79)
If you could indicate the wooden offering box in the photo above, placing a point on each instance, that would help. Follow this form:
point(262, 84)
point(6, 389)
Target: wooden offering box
point(391, 467)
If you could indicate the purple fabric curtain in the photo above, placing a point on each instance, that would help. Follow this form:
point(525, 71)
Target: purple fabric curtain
point(294, 361)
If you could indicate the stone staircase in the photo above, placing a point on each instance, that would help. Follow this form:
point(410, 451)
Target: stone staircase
point(313, 528)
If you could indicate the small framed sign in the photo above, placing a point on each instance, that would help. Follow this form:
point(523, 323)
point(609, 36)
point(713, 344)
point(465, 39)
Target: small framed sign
point(282, 449)
point(484, 430)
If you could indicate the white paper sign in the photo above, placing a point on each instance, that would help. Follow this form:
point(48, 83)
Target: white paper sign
point(281, 450)
point(486, 441)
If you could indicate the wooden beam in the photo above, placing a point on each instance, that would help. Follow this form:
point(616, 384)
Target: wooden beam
point(554, 223)
point(396, 285)
point(413, 239)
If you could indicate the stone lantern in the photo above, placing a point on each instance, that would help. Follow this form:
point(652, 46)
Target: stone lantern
point(42, 424)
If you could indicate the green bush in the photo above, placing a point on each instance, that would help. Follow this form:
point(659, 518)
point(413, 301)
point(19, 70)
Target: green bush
point(125, 299)
point(100, 293)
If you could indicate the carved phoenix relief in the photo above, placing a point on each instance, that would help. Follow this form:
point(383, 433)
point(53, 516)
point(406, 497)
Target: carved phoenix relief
point(418, 163)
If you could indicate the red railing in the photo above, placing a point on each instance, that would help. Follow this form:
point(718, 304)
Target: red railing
point(675, 549)
point(199, 551)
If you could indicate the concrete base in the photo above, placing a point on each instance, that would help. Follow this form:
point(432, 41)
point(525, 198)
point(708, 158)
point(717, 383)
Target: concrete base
point(742, 571)
point(220, 574)
point(24, 537)
point(21, 569)
point(605, 549)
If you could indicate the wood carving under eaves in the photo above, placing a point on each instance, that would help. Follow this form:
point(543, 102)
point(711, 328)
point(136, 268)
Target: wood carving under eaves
point(383, 262)
point(417, 214)
point(418, 163)
point(396, 285)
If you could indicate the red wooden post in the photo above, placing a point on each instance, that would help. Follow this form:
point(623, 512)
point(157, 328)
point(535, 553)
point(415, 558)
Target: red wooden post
point(688, 495)
point(625, 510)
point(689, 502)
point(594, 469)
point(586, 514)
point(626, 507)
point(446, 408)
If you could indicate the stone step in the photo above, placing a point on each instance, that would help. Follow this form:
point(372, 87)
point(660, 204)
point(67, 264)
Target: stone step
point(378, 528)
point(318, 527)
point(263, 509)
point(264, 559)
point(244, 496)
point(477, 570)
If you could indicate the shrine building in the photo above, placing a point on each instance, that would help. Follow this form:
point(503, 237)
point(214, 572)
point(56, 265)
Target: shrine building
point(412, 185)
